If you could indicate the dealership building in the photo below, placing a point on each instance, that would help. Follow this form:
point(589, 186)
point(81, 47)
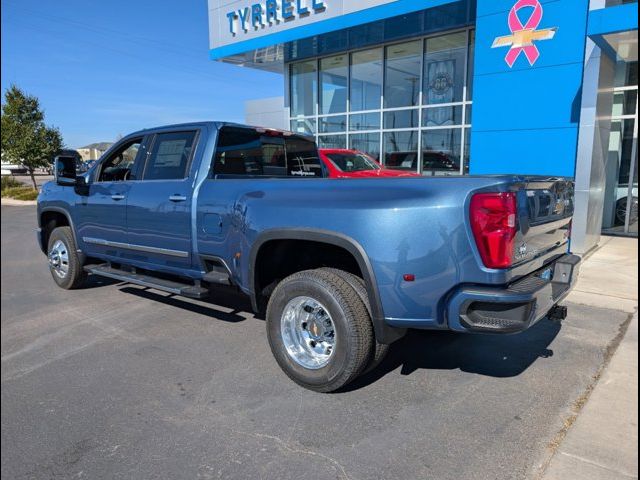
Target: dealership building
point(445, 87)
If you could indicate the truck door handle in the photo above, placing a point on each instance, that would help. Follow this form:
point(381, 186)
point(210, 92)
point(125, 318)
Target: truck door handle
point(177, 198)
point(117, 197)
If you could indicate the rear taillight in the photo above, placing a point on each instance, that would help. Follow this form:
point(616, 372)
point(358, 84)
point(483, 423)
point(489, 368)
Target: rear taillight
point(493, 222)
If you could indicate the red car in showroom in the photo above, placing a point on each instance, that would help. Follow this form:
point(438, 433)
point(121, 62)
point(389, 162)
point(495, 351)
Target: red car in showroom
point(345, 163)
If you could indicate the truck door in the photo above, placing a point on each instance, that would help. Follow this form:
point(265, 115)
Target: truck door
point(159, 203)
point(101, 215)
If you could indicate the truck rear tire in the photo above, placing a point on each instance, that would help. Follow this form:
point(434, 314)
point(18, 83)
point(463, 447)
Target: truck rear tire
point(64, 263)
point(319, 330)
point(379, 350)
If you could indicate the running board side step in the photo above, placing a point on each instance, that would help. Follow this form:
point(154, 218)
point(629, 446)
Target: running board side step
point(218, 275)
point(169, 286)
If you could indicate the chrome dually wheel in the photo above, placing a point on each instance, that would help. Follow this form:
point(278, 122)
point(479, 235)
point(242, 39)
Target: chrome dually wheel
point(319, 330)
point(65, 263)
point(308, 332)
point(59, 259)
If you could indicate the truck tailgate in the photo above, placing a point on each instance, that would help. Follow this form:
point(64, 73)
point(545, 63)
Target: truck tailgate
point(545, 210)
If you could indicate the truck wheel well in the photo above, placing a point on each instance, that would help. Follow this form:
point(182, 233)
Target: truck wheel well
point(49, 221)
point(277, 259)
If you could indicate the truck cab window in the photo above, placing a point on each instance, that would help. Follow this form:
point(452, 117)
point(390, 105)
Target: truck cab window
point(118, 167)
point(170, 156)
point(302, 158)
point(245, 151)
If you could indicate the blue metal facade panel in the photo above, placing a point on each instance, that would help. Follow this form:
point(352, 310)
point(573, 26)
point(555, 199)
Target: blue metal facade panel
point(620, 18)
point(526, 117)
point(372, 14)
point(539, 151)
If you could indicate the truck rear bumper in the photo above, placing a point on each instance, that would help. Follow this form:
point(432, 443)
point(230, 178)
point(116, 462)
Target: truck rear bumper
point(516, 307)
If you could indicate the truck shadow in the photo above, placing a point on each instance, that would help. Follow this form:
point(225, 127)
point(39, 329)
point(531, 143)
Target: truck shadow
point(210, 307)
point(500, 356)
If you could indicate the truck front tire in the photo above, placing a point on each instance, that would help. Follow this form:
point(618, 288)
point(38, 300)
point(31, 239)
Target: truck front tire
point(319, 330)
point(64, 261)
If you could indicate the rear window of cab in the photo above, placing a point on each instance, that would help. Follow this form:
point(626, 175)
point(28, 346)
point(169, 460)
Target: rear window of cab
point(251, 152)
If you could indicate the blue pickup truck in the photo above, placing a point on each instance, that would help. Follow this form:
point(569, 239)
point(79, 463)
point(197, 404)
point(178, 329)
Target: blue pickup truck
point(340, 268)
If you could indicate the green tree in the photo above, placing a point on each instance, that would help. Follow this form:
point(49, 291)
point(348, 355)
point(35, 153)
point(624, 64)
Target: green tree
point(26, 139)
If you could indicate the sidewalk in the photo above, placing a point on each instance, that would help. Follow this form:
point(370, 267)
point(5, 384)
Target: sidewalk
point(603, 441)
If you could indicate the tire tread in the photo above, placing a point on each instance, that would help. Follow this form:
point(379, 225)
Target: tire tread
point(360, 330)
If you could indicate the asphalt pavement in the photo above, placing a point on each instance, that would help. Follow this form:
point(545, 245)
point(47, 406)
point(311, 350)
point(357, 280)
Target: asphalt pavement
point(116, 381)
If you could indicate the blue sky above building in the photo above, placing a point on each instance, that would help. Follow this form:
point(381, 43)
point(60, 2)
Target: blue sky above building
point(102, 69)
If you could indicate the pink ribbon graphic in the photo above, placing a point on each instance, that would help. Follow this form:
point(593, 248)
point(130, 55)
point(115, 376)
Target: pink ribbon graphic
point(515, 25)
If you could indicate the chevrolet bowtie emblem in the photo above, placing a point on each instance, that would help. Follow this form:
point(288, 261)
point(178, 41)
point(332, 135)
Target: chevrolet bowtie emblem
point(522, 36)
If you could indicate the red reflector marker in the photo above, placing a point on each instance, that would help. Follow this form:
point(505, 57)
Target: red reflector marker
point(493, 222)
point(409, 277)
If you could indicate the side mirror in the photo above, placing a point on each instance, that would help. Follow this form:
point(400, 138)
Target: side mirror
point(65, 171)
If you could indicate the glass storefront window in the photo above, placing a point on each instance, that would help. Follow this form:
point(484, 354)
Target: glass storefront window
point(626, 74)
point(304, 87)
point(624, 102)
point(472, 41)
point(332, 141)
point(620, 213)
point(617, 199)
point(401, 150)
point(333, 84)
point(444, 68)
point(387, 100)
point(366, 80)
point(364, 121)
point(402, 74)
point(401, 119)
point(442, 116)
point(366, 142)
point(441, 151)
point(467, 151)
point(333, 124)
point(632, 204)
point(306, 126)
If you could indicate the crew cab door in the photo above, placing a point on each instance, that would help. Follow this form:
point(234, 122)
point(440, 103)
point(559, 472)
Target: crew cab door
point(101, 215)
point(159, 203)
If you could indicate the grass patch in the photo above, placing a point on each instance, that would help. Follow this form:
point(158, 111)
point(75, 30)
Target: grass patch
point(18, 191)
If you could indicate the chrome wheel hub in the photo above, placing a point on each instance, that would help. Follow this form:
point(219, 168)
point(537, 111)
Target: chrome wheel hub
point(59, 259)
point(308, 332)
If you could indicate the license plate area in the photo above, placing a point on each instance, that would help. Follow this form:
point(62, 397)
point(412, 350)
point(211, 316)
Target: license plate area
point(546, 273)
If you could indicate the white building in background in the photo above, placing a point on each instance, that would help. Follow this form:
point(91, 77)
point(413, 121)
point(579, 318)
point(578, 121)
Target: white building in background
point(89, 153)
point(266, 112)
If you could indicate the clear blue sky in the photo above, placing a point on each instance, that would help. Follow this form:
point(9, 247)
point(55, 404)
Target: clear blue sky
point(103, 68)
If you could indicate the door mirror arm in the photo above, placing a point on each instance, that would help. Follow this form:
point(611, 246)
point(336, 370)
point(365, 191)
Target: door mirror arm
point(81, 185)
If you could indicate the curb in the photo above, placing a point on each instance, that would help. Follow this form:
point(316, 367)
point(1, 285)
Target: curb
point(16, 203)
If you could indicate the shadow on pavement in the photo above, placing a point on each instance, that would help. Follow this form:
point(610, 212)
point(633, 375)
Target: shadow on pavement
point(233, 300)
point(94, 281)
point(499, 356)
